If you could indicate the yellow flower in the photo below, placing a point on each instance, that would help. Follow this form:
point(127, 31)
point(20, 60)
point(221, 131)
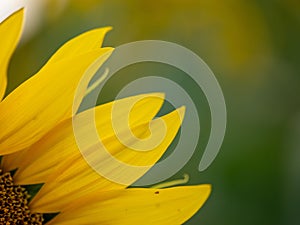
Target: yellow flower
point(38, 146)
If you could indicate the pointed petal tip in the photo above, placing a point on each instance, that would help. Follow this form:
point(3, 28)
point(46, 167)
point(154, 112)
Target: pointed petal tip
point(101, 29)
point(156, 94)
point(107, 28)
point(18, 12)
point(207, 188)
point(109, 51)
point(181, 111)
point(21, 10)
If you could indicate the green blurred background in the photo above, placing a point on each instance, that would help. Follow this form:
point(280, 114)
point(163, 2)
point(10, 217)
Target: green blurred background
point(252, 47)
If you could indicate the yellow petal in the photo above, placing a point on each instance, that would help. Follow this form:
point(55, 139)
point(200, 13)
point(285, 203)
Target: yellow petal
point(11, 161)
point(10, 30)
point(60, 144)
point(76, 178)
point(136, 206)
point(44, 100)
point(85, 42)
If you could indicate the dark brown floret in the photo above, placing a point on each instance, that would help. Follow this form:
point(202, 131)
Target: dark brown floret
point(14, 209)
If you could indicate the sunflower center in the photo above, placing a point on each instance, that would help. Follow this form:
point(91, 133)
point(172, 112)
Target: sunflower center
point(14, 200)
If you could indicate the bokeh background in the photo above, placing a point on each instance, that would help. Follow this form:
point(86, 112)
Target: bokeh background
point(252, 47)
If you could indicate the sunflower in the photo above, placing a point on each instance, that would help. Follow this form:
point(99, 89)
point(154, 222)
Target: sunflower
point(44, 179)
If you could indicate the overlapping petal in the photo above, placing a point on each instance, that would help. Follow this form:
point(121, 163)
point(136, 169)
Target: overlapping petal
point(135, 206)
point(46, 99)
point(59, 144)
point(76, 178)
point(43, 101)
point(37, 137)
